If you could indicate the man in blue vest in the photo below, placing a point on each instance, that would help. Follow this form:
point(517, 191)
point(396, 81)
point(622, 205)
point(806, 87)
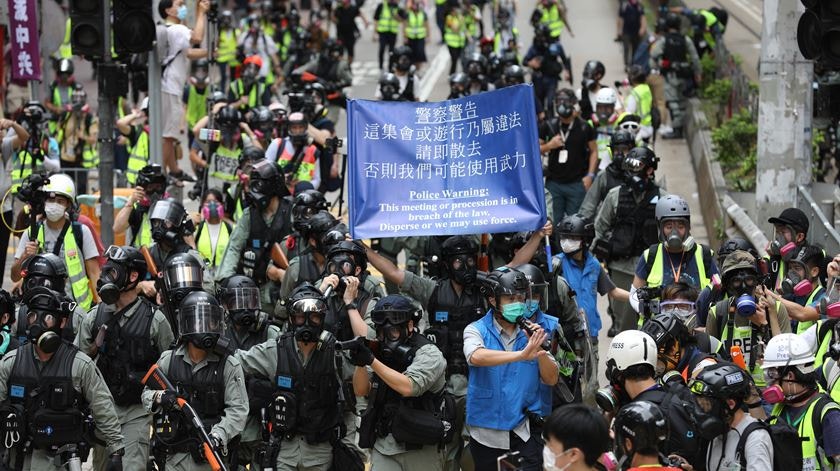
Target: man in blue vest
point(497, 349)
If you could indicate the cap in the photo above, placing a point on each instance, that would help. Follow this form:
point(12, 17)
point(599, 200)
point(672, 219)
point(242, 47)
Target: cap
point(793, 217)
point(737, 260)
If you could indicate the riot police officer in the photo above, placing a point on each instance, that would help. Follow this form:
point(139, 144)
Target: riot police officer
point(210, 380)
point(620, 144)
point(306, 204)
point(310, 263)
point(675, 56)
point(246, 326)
point(389, 87)
point(304, 406)
point(405, 391)
point(46, 270)
point(626, 226)
point(47, 390)
point(476, 67)
point(458, 85)
point(125, 334)
point(265, 222)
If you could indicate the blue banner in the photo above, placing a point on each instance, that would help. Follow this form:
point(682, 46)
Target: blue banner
point(464, 166)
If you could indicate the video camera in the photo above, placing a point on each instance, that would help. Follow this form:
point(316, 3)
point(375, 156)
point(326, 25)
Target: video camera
point(31, 190)
point(649, 300)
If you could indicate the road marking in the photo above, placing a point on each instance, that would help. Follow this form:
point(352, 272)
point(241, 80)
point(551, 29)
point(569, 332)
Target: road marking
point(437, 67)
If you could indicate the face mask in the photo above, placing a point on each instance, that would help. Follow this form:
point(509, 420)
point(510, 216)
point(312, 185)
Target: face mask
point(213, 210)
point(710, 425)
point(465, 275)
point(514, 311)
point(830, 303)
point(550, 460)
point(182, 13)
point(637, 183)
point(204, 341)
point(299, 140)
point(570, 246)
point(54, 211)
point(796, 286)
point(745, 305)
point(773, 394)
point(533, 306)
point(308, 333)
point(780, 247)
point(674, 242)
point(564, 110)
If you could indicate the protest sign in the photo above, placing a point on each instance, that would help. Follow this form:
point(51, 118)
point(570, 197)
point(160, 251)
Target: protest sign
point(23, 36)
point(465, 166)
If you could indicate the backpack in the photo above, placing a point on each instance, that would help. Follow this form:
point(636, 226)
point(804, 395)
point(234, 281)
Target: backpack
point(787, 446)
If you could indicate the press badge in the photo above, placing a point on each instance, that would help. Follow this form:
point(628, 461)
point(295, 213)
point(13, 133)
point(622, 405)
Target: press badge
point(563, 156)
point(16, 391)
point(442, 316)
point(284, 382)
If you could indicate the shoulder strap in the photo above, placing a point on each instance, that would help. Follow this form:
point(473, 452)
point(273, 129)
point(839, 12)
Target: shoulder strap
point(707, 258)
point(651, 257)
point(79, 236)
point(198, 231)
point(59, 242)
point(816, 418)
point(742, 442)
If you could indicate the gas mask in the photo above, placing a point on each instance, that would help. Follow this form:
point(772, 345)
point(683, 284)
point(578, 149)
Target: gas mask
point(212, 210)
point(794, 285)
point(393, 338)
point(403, 63)
point(249, 75)
point(604, 113)
point(47, 339)
point(162, 233)
point(389, 93)
point(780, 247)
point(745, 305)
point(637, 182)
point(299, 140)
point(230, 136)
point(611, 398)
point(711, 423)
point(564, 109)
point(830, 303)
point(113, 280)
point(465, 273)
point(774, 394)
point(341, 265)
point(259, 193)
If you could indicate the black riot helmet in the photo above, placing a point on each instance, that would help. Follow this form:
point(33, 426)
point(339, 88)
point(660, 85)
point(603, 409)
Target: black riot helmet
point(65, 67)
point(46, 309)
point(201, 319)
point(318, 225)
point(636, 164)
point(620, 144)
point(344, 257)
point(644, 424)
point(239, 295)
point(593, 72)
point(712, 388)
point(460, 255)
point(306, 204)
point(228, 117)
point(513, 75)
point(338, 233)
point(45, 269)
point(307, 309)
point(262, 119)
point(389, 87)
point(636, 74)
point(673, 21)
point(732, 244)
point(248, 156)
point(505, 281)
point(539, 286)
point(458, 82)
point(169, 221)
point(476, 65)
point(182, 274)
point(266, 181)
point(576, 226)
point(115, 277)
point(667, 330)
point(401, 58)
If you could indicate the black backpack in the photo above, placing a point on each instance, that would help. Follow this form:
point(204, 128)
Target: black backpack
point(787, 446)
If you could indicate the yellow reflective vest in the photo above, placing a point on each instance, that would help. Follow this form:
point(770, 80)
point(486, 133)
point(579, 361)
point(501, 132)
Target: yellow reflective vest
point(75, 262)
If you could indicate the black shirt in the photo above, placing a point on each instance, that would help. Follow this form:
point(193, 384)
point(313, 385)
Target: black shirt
point(346, 20)
point(580, 134)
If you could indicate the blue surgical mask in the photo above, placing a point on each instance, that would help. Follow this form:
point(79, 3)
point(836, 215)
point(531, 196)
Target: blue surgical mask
point(182, 12)
point(513, 311)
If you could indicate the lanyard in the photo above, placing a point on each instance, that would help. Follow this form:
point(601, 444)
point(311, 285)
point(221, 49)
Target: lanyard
point(676, 271)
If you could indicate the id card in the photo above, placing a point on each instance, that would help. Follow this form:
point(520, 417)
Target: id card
point(562, 156)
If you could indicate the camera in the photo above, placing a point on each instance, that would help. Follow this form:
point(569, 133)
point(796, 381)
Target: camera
point(30, 191)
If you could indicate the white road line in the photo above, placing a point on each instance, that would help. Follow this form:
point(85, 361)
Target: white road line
point(437, 67)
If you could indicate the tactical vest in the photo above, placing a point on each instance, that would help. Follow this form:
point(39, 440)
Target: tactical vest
point(635, 227)
point(675, 55)
point(307, 269)
point(337, 320)
point(128, 351)
point(314, 387)
point(449, 315)
point(408, 93)
point(204, 390)
point(259, 388)
point(254, 259)
point(246, 342)
point(53, 407)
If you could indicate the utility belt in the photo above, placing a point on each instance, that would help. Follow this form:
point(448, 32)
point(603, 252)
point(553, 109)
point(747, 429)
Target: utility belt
point(413, 426)
point(169, 431)
point(285, 422)
point(681, 69)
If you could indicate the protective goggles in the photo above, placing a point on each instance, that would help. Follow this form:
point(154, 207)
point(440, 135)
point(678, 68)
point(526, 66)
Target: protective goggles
point(743, 280)
point(670, 306)
point(633, 165)
point(116, 254)
point(391, 317)
point(699, 387)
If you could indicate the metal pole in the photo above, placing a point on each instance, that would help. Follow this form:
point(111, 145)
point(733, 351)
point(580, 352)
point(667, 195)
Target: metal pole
point(106, 137)
point(155, 132)
point(784, 112)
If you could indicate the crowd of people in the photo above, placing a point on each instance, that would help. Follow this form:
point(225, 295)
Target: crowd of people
point(257, 334)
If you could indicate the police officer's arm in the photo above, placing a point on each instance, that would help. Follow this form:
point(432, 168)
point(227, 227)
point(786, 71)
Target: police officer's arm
point(236, 244)
point(606, 215)
point(390, 271)
point(361, 382)
point(236, 403)
point(260, 360)
point(98, 396)
point(569, 315)
point(148, 396)
point(427, 366)
point(161, 331)
point(526, 253)
point(84, 338)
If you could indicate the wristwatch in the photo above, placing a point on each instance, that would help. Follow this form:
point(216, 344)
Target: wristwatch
point(352, 305)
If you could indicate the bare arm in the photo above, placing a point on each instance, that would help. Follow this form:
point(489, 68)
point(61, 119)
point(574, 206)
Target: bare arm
point(361, 382)
point(21, 134)
point(124, 123)
point(620, 294)
point(390, 271)
point(196, 53)
point(197, 33)
point(526, 253)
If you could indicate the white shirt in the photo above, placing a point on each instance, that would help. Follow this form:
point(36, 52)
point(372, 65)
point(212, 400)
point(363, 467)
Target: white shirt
point(175, 75)
point(758, 449)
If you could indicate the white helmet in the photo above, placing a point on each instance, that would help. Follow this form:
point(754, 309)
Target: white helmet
point(787, 350)
point(61, 184)
point(630, 348)
point(606, 96)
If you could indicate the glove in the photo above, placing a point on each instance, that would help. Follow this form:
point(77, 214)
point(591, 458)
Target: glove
point(361, 355)
point(218, 445)
point(114, 463)
point(168, 400)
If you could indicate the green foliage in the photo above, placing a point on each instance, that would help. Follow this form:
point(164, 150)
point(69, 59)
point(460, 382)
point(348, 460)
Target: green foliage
point(817, 140)
point(734, 143)
point(716, 95)
point(709, 69)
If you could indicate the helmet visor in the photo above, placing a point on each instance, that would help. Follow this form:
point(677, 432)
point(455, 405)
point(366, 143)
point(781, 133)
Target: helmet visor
point(117, 254)
point(241, 299)
point(201, 319)
point(633, 165)
point(314, 309)
point(183, 275)
point(167, 211)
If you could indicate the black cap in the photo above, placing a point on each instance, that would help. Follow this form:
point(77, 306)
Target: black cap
point(793, 217)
